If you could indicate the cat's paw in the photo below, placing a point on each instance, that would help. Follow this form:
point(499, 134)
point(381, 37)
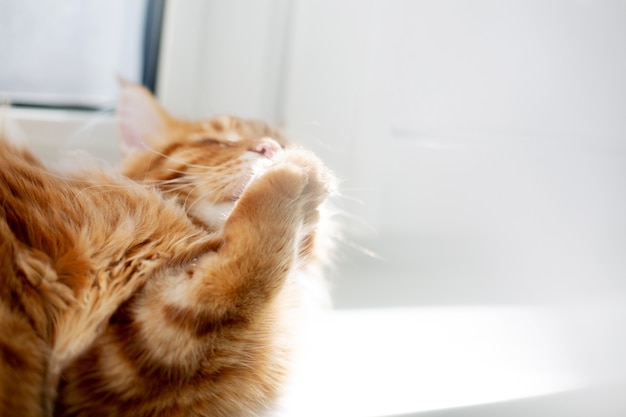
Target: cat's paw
point(288, 179)
point(281, 181)
point(292, 187)
point(320, 182)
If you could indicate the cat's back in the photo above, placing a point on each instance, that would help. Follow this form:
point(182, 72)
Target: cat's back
point(82, 221)
point(73, 247)
point(36, 232)
point(67, 233)
point(29, 288)
point(52, 222)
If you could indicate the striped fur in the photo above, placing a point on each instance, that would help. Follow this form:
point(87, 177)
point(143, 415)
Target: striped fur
point(73, 248)
point(210, 338)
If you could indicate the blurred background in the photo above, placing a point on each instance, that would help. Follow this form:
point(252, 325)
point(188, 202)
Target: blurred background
point(481, 146)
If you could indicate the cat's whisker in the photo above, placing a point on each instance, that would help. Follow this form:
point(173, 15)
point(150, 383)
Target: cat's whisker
point(352, 199)
point(184, 241)
point(145, 173)
point(358, 189)
point(176, 188)
point(170, 181)
point(175, 185)
point(189, 195)
point(178, 171)
point(353, 218)
point(202, 198)
point(360, 248)
point(178, 161)
point(195, 178)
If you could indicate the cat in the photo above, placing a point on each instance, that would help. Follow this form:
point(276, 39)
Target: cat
point(210, 337)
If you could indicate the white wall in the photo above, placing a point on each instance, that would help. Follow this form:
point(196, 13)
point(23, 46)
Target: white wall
point(223, 57)
point(483, 141)
point(449, 107)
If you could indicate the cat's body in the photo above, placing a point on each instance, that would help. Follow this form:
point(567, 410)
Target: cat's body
point(62, 270)
point(201, 330)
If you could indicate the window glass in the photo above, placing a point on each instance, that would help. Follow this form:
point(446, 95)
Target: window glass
point(69, 52)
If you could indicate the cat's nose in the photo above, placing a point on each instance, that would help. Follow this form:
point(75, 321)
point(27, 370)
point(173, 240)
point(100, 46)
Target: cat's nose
point(266, 146)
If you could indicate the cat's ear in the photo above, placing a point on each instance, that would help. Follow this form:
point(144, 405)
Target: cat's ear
point(141, 121)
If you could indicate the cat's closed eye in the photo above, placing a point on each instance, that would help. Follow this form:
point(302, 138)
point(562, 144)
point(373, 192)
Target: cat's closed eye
point(211, 141)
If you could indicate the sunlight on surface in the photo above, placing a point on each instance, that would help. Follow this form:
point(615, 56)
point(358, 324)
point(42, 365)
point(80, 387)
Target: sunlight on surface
point(394, 361)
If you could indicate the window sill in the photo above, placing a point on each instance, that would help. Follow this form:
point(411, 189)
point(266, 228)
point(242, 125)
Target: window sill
point(50, 132)
point(469, 361)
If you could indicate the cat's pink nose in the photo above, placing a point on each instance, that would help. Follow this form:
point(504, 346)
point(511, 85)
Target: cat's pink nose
point(266, 146)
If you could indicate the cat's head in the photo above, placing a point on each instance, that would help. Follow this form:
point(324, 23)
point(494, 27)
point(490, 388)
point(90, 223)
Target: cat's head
point(205, 164)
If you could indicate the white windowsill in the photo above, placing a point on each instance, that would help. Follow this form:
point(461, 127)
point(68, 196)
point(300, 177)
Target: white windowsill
point(389, 362)
point(50, 132)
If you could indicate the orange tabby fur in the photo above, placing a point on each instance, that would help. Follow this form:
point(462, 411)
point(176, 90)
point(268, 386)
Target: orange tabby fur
point(63, 270)
point(209, 338)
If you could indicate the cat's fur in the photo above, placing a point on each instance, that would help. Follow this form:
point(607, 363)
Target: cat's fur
point(209, 337)
point(72, 249)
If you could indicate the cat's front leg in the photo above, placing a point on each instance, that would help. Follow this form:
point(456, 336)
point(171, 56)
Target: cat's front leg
point(318, 231)
point(262, 236)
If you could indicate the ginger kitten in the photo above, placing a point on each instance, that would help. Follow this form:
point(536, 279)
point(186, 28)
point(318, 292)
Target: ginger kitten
point(209, 337)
